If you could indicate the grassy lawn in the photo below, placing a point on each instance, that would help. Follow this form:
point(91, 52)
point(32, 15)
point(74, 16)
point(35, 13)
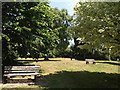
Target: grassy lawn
point(59, 64)
point(66, 73)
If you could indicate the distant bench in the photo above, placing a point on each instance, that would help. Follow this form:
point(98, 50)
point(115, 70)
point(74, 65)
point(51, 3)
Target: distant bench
point(11, 71)
point(90, 60)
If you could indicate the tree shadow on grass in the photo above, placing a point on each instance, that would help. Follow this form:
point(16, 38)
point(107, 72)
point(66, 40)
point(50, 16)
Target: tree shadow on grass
point(30, 61)
point(112, 63)
point(79, 79)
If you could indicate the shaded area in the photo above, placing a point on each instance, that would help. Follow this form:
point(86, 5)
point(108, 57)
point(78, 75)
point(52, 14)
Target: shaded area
point(82, 54)
point(30, 61)
point(112, 63)
point(79, 79)
point(22, 80)
point(38, 60)
point(12, 62)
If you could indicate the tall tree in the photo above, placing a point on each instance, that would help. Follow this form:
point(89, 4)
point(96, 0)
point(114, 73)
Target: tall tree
point(13, 27)
point(62, 22)
point(98, 24)
point(32, 29)
point(27, 28)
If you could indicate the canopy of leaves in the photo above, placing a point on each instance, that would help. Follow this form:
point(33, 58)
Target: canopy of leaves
point(62, 22)
point(98, 25)
point(32, 29)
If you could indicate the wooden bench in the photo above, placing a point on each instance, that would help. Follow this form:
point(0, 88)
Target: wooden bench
point(90, 60)
point(11, 71)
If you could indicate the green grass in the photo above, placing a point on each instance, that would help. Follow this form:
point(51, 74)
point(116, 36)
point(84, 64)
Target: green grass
point(64, 73)
point(75, 65)
point(76, 74)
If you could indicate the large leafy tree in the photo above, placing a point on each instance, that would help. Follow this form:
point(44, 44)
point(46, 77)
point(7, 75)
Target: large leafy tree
point(14, 25)
point(98, 26)
point(27, 28)
point(33, 30)
point(62, 22)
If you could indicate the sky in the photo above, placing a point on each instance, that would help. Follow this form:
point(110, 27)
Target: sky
point(64, 4)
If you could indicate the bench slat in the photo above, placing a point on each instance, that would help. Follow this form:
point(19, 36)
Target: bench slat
point(22, 68)
point(10, 71)
point(18, 71)
point(90, 60)
point(20, 74)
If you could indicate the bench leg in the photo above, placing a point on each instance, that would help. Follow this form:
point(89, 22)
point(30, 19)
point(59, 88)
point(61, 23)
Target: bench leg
point(93, 62)
point(35, 77)
point(4, 79)
point(87, 62)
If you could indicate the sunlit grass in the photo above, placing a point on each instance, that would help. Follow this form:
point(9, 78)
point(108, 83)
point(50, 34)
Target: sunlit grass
point(75, 65)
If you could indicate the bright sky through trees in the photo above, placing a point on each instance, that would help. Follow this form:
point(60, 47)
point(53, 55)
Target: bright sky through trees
point(64, 4)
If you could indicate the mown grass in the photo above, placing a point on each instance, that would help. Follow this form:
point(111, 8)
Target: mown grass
point(66, 64)
point(76, 74)
point(66, 73)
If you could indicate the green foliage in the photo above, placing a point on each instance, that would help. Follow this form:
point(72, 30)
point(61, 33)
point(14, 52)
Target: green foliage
point(62, 23)
point(33, 29)
point(16, 30)
point(21, 30)
point(98, 25)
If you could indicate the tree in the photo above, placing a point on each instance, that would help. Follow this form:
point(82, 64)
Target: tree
point(62, 22)
point(14, 39)
point(32, 29)
point(27, 28)
point(98, 25)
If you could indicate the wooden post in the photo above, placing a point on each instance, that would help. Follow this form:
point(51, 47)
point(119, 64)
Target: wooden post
point(1, 74)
